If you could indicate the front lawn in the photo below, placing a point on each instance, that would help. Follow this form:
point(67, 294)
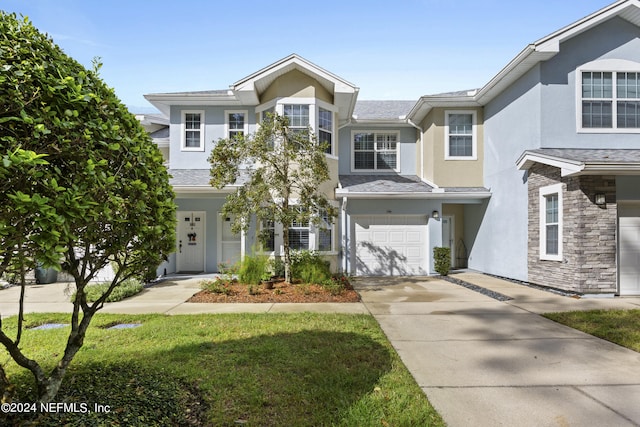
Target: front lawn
point(237, 369)
point(618, 326)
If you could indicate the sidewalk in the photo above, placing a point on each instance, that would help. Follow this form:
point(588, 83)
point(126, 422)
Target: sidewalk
point(482, 362)
point(166, 297)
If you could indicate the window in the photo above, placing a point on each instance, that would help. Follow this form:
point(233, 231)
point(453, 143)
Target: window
point(299, 235)
point(268, 230)
point(325, 129)
point(460, 135)
point(610, 100)
point(302, 235)
point(551, 223)
point(325, 233)
point(375, 151)
point(193, 131)
point(298, 115)
point(236, 123)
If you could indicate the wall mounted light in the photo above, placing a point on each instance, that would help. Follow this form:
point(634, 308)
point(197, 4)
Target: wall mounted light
point(600, 199)
point(435, 215)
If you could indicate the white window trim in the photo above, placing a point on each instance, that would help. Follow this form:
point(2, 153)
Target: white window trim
point(314, 113)
point(612, 66)
point(547, 191)
point(227, 129)
point(332, 131)
point(314, 242)
point(375, 132)
point(183, 131)
point(474, 135)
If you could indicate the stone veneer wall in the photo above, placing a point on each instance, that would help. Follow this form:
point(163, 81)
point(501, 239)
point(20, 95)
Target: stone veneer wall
point(589, 233)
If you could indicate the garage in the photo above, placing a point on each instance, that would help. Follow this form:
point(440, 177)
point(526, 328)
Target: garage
point(629, 248)
point(390, 245)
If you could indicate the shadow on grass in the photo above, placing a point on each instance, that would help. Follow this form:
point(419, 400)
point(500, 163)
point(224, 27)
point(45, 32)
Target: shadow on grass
point(303, 378)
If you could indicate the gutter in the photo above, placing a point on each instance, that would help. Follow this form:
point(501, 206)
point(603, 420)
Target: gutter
point(475, 195)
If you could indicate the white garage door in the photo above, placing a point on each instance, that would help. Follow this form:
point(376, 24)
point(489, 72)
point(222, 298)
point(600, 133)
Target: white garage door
point(390, 245)
point(629, 248)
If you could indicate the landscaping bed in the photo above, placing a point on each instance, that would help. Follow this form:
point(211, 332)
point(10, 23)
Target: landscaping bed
point(230, 291)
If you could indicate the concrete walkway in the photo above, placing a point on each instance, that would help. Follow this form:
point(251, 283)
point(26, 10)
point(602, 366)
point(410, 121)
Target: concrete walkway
point(166, 297)
point(482, 362)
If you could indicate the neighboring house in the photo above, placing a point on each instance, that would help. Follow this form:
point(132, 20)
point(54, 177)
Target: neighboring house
point(534, 176)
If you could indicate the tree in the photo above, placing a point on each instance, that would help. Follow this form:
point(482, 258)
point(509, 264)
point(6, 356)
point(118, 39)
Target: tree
point(82, 185)
point(272, 168)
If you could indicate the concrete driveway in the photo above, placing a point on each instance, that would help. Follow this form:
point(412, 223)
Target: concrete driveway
point(482, 362)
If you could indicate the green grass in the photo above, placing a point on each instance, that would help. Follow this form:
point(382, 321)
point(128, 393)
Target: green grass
point(263, 369)
point(618, 326)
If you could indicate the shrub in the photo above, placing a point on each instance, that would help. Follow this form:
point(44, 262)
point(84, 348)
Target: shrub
point(442, 260)
point(123, 290)
point(337, 284)
point(217, 286)
point(277, 266)
point(253, 269)
point(309, 267)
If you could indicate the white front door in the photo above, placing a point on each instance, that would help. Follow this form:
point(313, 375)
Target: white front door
point(390, 245)
point(629, 248)
point(229, 244)
point(448, 240)
point(191, 239)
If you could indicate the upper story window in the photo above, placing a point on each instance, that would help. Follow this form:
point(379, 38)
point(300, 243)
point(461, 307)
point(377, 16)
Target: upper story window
point(298, 115)
point(610, 100)
point(460, 135)
point(236, 123)
point(306, 114)
point(325, 129)
point(609, 97)
point(193, 130)
point(375, 151)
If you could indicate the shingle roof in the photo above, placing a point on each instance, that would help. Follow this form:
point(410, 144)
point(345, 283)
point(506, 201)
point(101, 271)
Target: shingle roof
point(591, 155)
point(197, 178)
point(189, 177)
point(382, 110)
point(384, 184)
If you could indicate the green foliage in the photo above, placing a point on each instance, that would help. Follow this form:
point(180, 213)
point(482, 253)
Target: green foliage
point(276, 265)
point(217, 286)
point(82, 183)
point(78, 170)
point(124, 290)
point(253, 269)
point(278, 165)
point(337, 284)
point(309, 267)
point(442, 260)
point(136, 396)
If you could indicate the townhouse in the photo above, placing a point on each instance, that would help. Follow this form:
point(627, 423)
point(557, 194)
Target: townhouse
point(533, 177)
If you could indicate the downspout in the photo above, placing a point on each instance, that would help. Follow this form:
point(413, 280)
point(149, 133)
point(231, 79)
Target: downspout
point(345, 252)
point(421, 147)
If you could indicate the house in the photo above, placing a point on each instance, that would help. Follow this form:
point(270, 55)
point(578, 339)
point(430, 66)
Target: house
point(533, 177)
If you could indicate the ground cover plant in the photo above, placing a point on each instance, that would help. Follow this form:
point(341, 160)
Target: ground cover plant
point(124, 290)
point(255, 369)
point(618, 326)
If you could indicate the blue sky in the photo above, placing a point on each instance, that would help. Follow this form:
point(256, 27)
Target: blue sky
point(390, 49)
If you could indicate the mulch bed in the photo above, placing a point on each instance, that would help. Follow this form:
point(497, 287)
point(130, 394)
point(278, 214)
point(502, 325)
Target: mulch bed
point(281, 292)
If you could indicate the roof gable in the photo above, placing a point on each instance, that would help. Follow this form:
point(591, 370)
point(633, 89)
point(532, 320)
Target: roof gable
point(549, 46)
point(249, 89)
